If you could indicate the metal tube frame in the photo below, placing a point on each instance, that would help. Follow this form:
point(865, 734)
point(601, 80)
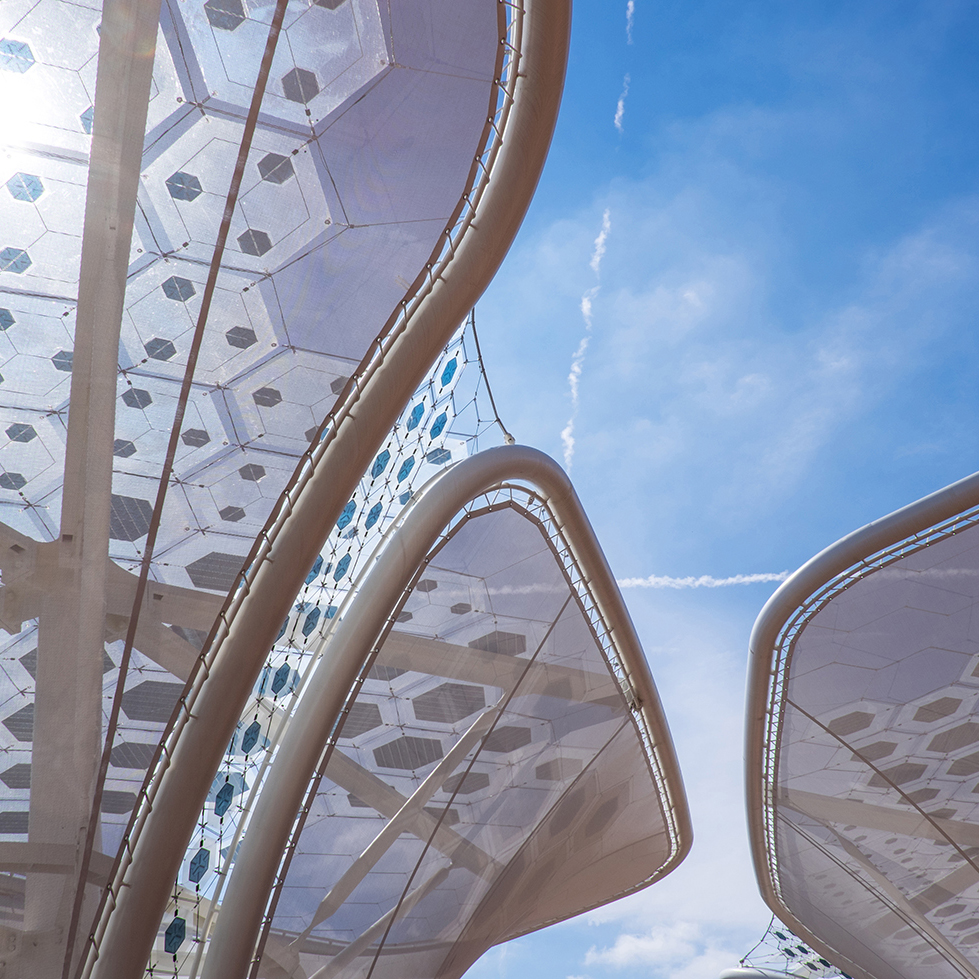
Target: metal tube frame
point(406, 545)
point(855, 556)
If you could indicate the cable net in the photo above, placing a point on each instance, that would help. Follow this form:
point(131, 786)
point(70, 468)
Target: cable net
point(781, 951)
point(449, 417)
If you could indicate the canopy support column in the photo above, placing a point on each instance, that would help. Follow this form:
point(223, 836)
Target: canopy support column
point(71, 634)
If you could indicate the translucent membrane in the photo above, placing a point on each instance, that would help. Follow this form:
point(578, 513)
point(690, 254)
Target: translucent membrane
point(875, 812)
point(362, 151)
point(488, 777)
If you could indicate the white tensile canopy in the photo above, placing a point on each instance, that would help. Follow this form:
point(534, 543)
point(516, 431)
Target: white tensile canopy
point(863, 747)
point(223, 275)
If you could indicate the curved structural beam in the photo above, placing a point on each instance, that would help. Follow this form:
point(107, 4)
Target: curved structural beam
point(179, 786)
point(356, 635)
point(838, 569)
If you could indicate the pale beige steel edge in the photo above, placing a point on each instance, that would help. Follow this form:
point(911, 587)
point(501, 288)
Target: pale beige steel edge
point(129, 923)
point(444, 496)
point(800, 586)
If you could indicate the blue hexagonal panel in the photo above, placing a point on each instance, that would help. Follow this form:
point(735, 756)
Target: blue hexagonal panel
point(310, 624)
point(341, 568)
point(438, 425)
point(380, 463)
point(174, 936)
point(406, 468)
point(15, 55)
point(63, 360)
point(250, 738)
point(281, 678)
point(184, 186)
point(449, 372)
point(315, 569)
point(348, 514)
point(222, 801)
point(25, 187)
point(199, 864)
point(14, 260)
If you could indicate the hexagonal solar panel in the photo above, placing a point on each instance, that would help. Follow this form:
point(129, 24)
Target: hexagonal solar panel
point(216, 571)
point(276, 168)
point(151, 700)
point(448, 702)
point(184, 186)
point(862, 764)
point(241, 336)
point(300, 85)
point(225, 15)
point(363, 717)
point(21, 723)
point(129, 518)
point(17, 776)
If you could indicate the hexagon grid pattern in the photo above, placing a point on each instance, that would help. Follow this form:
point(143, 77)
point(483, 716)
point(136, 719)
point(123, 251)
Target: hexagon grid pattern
point(550, 808)
point(289, 323)
point(381, 497)
point(877, 818)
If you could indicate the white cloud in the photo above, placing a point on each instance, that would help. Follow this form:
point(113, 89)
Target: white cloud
point(620, 105)
point(586, 306)
point(578, 358)
point(702, 581)
point(718, 430)
point(574, 376)
point(630, 13)
point(676, 951)
point(662, 944)
point(599, 250)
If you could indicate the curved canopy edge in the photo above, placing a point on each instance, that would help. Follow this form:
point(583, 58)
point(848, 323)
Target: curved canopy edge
point(789, 608)
point(408, 542)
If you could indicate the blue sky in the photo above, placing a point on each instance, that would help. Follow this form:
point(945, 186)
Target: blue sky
point(782, 348)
